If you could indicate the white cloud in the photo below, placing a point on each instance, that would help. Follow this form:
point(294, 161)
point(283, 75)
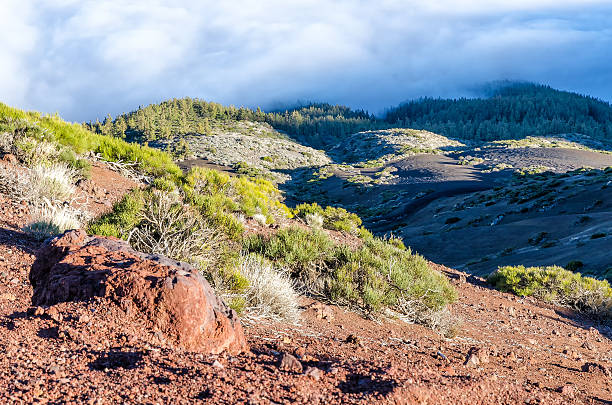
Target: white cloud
point(87, 58)
point(16, 42)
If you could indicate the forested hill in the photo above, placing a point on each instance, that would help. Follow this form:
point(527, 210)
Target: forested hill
point(514, 111)
point(511, 112)
point(317, 125)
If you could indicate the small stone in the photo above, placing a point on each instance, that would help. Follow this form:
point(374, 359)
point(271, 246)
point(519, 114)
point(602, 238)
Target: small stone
point(511, 311)
point(217, 364)
point(352, 339)
point(512, 356)
point(313, 372)
point(588, 345)
point(596, 368)
point(286, 340)
point(333, 370)
point(54, 370)
point(566, 389)
point(442, 356)
point(84, 318)
point(322, 311)
point(290, 363)
point(8, 297)
point(10, 158)
point(472, 361)
point(300, 352)
point(54, 314)
point(477, 356)
point(532, 342)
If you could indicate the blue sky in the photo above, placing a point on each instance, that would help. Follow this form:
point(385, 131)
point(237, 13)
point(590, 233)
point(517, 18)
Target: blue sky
point(87, 58)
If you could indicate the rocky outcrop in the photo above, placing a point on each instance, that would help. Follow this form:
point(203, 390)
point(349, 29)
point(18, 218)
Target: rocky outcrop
point(172, 296)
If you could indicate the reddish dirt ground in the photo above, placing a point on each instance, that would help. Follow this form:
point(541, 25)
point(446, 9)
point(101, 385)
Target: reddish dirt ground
point(522, 351)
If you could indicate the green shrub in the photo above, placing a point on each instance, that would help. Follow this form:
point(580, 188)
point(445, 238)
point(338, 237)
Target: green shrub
point(334, 218)
point(33, 127)
point(574, 265)
point(556, 285)
point(379, 275)
point(124, 216)
point(219, 196)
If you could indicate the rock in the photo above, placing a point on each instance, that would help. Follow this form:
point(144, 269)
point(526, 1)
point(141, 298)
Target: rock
point(352, 339)
point(596, 368)
point(290, 363)
point(54, 314)
point(8, 157)
point(322, 311)
point(300, 352)
point(477, 356)
point(217, 364)
point(313, 372)
point(588, 345)
point(172, 296)
point(566, 390)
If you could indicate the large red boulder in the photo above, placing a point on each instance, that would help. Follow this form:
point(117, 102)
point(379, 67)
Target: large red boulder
point(172, 296)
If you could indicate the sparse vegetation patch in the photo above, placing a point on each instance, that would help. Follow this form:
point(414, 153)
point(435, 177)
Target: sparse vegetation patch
point(556, 285)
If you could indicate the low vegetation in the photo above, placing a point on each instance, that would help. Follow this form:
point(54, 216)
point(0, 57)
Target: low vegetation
point(267, 291)
point(333, 218)
point(199, 217)
point(556, 285)
point(25, 133)
point(377, 276)
point(51, 220)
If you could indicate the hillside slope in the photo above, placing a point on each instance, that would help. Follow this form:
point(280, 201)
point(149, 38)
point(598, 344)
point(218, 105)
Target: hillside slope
point(400, 330)
point(512, 111)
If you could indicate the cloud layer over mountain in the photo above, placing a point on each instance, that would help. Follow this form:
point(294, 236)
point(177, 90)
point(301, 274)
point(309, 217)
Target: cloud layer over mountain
point(88, 58)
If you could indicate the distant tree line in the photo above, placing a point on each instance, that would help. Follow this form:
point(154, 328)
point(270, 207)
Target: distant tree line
point(319, 125)
point(511, 112)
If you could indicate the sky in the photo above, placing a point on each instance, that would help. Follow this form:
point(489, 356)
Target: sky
point(85, 59)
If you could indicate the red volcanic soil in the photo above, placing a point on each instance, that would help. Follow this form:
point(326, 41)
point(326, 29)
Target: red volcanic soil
point(507, 351)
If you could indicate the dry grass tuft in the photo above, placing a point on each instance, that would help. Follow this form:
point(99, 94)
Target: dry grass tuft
point(52, 181)
point(50, 220)
point(166, 226)
point(270, 292)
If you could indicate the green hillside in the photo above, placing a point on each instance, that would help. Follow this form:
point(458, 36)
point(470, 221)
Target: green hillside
point(318, 125)
point(513, 111)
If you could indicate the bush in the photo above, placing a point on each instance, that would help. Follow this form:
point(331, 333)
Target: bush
point(334, 218)
point(52, 220)
point(54, 182)
point(14, 184)
point(221, 197)
point(556, 285)
point(380, 275)
point(574, 265)
point(314, 220)
point(124, 216)
point(28, 129)
point(166, 226)
point(266, 291)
